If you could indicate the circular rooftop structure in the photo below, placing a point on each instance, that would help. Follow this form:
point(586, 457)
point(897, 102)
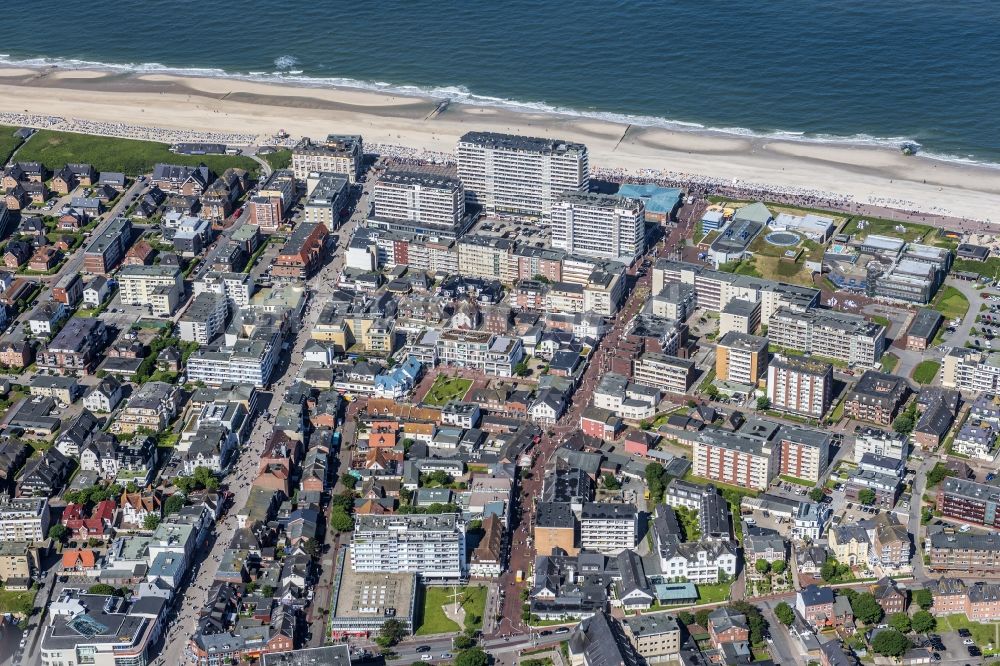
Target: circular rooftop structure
point(782, 238)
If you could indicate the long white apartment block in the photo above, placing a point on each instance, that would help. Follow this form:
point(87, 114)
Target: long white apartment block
point(432, 545)
point(520, 176)
point(420, 203)
point(598, 225)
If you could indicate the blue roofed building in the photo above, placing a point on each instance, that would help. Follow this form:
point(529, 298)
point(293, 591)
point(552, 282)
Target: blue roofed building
point(397, 382)
point(660, 201)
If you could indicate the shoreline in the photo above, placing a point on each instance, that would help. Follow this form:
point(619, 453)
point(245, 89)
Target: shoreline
point(838, 172)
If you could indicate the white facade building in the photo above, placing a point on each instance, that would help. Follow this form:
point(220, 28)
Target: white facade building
point(432, 545)
point(598, 225)
point(419, 203)
point(608, 528)
point(204, 319)
point(519, 176)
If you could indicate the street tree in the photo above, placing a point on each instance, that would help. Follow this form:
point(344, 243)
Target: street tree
point(890, 643)
point(900, 622)
point(391, 632)
point(866, 608)
point(923, 622)
point(784, 613)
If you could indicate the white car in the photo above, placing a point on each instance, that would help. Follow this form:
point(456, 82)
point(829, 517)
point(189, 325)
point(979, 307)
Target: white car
point(968, 641)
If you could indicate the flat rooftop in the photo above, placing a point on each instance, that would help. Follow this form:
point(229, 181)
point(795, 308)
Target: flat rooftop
point(497, 140)
point(373, 596)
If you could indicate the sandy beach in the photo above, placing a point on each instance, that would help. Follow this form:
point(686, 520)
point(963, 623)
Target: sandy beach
point(866, 175)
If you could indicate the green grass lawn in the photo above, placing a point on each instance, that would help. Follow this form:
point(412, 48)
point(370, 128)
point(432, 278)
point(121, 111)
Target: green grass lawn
point(989, 268)
point(950, 302)
point(708, 594)
point(446, 389)
point(709, 378)
point(54, 149)
point(889, 362)
point(981, 633)
point(280, 159)
point(879, 319)
point(884, 227)
point(432, 617)
point(8, 143)
point(925, 372)
point(18, 603)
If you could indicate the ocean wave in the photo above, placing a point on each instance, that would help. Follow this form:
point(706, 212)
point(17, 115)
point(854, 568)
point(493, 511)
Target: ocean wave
point(462, 95)
point(286, 62)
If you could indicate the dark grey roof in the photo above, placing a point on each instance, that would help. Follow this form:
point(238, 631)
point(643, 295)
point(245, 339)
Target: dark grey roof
point(608, 511)
point(601, 640)
point(925, 323)
point(554, 514)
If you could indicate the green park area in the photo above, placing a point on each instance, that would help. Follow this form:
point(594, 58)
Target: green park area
point(889, 362)
point(17, 603)
point(432, 618)
point(128, 156)
point(8, 142)
point(950, 302)
point(279, 159)
point(445, 389)
point(711, 594)
point(925, 372)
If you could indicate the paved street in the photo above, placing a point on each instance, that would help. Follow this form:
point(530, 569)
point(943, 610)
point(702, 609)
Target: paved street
point(244, 470)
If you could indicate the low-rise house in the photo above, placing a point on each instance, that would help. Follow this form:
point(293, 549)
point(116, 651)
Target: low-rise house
point(13, 453)
point(727, 626)
point(77, 434)
point(136, 507)
point(104, 396)
point(133, 459)
point(17, 254)
point(96, 291)
point(63, 389)
point(17, 353)
point(44, 319)
point(44, 258)
point(76, 348)
point(815, 605)
point(889, 596)
point(97, 525)
point(45, 475)
point(153, 406)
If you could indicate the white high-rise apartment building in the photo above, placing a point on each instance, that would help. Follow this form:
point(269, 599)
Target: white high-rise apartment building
point(432, 545)
point(608, 528)
point(598, 225)
point(800, 386)
point(420, 203)
point(838, 335)
point(520, 176)
point(236, 287)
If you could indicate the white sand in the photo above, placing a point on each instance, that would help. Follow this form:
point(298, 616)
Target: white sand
point(868, 175)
